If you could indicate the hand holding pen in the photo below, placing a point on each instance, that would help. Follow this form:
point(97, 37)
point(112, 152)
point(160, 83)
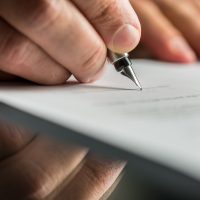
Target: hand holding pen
point(46, 41)
point(123, 64)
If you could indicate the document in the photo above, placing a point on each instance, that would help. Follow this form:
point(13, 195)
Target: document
point(161, 123)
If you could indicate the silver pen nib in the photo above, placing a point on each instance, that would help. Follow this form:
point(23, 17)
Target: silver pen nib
point(128, 72)
point(123, 65)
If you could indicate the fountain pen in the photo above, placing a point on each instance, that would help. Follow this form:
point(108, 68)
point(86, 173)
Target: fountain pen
point(123, 65)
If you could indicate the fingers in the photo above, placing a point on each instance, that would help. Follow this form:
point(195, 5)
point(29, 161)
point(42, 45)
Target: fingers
point(160, 36)
point(21, 57)
point(44, 169)
point(12, 139)
point(61, 31)
point(94, 179)
point(184, 14)
point(39, 169)
point(116, 22)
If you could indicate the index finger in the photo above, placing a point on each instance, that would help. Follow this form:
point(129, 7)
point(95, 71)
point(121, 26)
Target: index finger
point(61, 31)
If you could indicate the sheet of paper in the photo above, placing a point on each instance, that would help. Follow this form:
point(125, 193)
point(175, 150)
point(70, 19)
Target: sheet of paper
point(162, 122)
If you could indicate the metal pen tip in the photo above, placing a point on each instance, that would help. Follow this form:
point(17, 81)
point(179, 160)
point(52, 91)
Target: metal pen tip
point(140, 87)
point(123, 65)
point(128, 72)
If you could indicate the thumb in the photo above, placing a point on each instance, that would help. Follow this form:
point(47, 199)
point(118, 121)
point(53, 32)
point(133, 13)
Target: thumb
point(116, 22)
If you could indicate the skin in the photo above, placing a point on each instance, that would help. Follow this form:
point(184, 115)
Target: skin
point(43, 40)
point(33, 167)
point(51, 170)
point(46, 41)
point(170, 29)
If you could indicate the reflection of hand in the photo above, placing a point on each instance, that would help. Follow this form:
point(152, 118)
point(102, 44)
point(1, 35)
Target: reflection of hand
point(171, 28)
point(34, 167)
point(45, 41)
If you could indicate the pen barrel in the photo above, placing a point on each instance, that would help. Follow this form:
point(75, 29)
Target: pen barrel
point(122, 64)
point(120, 61)
point(114, 57)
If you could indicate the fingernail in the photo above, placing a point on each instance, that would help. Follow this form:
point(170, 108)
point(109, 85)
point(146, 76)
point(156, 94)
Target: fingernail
point(125, 39)
point(182, 49)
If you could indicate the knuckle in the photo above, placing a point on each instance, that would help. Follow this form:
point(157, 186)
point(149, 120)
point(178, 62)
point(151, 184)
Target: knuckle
point(93, 63)
point(12, 139)
point(14, 51)
point(42, 14)
point(36, 183)
point(32, 183)
point(105, 11)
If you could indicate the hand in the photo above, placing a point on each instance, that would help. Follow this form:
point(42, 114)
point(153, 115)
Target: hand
point(46, 41)
point(33, 167)
point(170, 28)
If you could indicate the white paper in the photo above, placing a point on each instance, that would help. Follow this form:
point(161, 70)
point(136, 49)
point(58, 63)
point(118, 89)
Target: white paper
point(161, 123)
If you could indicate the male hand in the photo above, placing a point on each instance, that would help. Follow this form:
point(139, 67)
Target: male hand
point(170, 28)
point(46, 41)
point(33, 167)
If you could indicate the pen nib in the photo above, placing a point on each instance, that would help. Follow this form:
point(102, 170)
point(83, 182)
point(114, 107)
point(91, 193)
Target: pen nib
point(128, 72)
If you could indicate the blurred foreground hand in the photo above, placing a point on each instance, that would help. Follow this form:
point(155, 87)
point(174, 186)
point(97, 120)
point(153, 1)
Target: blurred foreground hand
point(170, 28)
point(33, 167)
